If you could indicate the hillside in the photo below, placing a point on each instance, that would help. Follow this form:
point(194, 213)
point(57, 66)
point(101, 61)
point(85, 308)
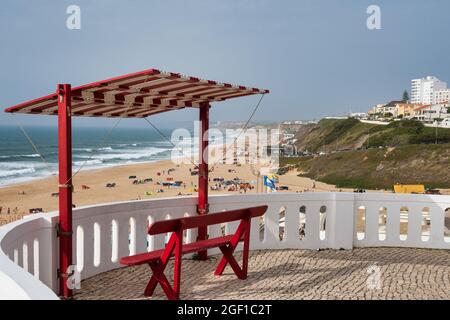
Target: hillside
point(380, 168)
point(374, 156)
point(346, 134)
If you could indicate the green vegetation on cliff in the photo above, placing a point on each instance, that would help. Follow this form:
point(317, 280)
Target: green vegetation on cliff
point(360, 155)
point(381, 168)
point(346, 134)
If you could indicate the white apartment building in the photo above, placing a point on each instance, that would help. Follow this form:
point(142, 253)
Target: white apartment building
point(442, 96)
point(423, 90)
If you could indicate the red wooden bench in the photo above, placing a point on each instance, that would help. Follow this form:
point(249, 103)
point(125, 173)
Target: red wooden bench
point(158, 259)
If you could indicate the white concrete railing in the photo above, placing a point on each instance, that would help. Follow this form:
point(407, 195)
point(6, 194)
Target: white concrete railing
point(424, 220)
point(30, 244)
point(104, 233)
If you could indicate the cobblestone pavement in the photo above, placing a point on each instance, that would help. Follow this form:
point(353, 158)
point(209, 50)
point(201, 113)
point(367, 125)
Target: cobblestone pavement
point(296, 274)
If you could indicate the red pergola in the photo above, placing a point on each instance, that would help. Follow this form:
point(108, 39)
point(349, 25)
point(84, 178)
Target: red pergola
point(135, 95)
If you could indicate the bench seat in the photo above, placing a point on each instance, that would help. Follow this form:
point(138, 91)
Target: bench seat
point(148, 257)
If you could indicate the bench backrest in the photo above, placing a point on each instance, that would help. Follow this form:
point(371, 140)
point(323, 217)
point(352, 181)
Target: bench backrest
point(171, 225)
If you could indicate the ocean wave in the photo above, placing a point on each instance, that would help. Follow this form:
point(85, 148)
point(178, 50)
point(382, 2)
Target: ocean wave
point(127, 144)
point(10, 173)
point(122, 156)
point(83, 149)
point(20, 165)
point(128, 154)
point(88, 162)
point(34, 155)
point(93, 149)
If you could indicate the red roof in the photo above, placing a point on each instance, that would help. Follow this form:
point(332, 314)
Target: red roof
point(138, 95)
point(423, 107)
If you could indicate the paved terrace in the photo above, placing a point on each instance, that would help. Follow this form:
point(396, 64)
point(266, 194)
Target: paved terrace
point(295, 274)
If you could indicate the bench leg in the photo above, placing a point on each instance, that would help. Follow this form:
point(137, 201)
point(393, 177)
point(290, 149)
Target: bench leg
point(175, 243)
point(177, 265)
point(151, 286)
point(221, 266)
point(161, 278)
point(228, 258)
point(246, 248)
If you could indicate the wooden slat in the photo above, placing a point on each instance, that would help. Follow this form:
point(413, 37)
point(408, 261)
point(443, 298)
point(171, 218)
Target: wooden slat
point(205, 220)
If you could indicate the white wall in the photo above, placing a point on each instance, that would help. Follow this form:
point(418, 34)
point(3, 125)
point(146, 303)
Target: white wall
point(104, 233)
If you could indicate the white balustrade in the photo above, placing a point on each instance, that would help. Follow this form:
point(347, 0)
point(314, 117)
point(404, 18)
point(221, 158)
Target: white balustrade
point(104, 233)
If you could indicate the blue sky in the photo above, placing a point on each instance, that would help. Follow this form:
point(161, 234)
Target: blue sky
point(317, 57)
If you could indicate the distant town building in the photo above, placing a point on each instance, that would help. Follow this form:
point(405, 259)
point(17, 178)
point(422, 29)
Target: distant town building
point(442, 96)
point(430, 113)
point(405, 110)
point(297, 122)
point(377, 109)
point(336, 117)
point(430, 100)
point(391, 108)
point(423, 90)
point(358, 115)
point(395, 109)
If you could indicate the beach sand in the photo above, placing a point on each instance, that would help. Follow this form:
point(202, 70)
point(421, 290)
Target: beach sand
point(38, 193)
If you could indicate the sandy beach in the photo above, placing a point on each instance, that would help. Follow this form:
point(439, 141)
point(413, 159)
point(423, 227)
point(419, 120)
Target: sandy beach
point(19, 198)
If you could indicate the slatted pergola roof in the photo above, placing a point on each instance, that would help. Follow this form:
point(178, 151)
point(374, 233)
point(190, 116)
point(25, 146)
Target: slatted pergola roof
point(138, 95)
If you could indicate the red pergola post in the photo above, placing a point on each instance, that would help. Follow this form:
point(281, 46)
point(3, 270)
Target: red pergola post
point(65, 185)
point(203, 206)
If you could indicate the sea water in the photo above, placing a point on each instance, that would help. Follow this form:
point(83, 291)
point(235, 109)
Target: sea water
point(93, 148)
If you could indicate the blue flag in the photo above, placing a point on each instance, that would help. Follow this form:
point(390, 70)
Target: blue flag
point(269, 182)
